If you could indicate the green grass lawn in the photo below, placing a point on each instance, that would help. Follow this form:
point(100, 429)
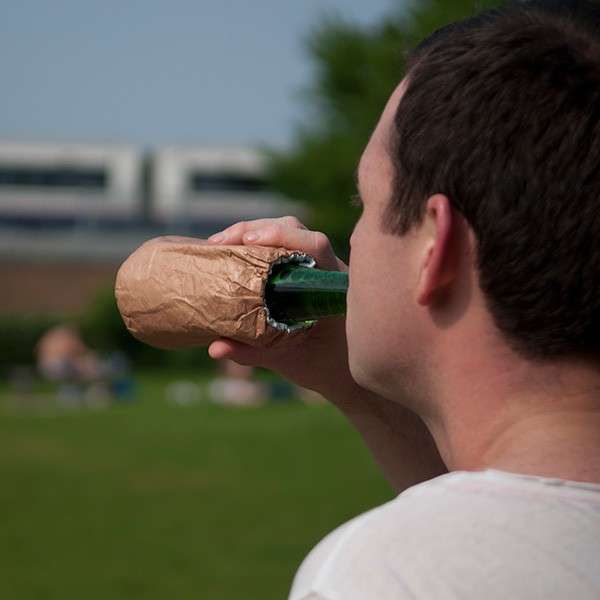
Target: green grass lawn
point(154, 501)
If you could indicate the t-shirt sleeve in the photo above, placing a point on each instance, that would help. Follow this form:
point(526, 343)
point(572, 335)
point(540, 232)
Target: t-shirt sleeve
point(324, 569)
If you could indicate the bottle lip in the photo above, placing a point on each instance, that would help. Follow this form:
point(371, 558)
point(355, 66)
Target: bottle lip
point(303, 260)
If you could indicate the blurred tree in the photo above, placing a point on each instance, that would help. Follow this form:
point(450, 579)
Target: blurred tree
point(102, 327)
point(357, 68)
point(19, 335)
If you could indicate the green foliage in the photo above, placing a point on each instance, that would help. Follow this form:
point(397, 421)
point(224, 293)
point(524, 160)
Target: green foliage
point(19, 335)
point(357, 68)
point(102, 327)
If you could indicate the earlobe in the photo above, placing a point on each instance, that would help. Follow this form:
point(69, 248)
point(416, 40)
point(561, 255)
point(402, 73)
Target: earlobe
point(438, 267)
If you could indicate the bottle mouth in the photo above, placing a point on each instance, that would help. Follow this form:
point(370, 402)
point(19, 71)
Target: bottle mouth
point(297, 258)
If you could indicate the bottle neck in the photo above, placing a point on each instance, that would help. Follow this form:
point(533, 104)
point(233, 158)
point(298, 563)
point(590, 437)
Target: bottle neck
point(296, 294)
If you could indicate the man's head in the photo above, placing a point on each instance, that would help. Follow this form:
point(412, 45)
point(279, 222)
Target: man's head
point(500, 116)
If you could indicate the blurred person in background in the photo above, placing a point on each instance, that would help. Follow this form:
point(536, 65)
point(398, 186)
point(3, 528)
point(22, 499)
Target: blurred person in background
point(117, 371)
point(471, 343)
point(236, 386)
point(63, 357)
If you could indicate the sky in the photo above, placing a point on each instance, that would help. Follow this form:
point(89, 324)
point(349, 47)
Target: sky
point(159, 72)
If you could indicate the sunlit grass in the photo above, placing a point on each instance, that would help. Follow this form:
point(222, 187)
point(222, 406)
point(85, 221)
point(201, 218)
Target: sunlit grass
point(155, 501)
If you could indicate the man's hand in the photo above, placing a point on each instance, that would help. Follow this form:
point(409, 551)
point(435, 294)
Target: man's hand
point(397, 438)
point(319, 361)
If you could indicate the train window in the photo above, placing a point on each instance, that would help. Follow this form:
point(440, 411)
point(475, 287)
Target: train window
point(224, 182)
point(73, 177)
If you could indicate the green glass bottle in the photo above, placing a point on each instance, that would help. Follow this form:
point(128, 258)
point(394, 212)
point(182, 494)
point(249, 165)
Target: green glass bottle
point(295, 294)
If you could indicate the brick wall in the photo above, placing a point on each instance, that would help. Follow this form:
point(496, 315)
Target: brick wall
point(51, 287)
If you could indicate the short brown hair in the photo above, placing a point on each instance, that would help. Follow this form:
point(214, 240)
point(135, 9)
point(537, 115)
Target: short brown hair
point(502, 115)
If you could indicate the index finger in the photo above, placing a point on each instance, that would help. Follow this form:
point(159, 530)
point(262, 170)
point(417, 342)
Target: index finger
point(234, 234)
point(314, 243)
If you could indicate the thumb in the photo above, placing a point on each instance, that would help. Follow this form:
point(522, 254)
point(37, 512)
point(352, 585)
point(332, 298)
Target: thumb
point(237, 352)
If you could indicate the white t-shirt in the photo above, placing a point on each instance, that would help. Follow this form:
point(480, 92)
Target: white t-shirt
point(466, 535)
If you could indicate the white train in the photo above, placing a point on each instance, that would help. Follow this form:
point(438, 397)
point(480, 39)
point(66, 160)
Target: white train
point(212, 185)
point(174, 189)
point(63, 183)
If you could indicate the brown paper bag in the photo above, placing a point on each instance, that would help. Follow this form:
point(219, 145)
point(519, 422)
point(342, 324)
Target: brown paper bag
point(180, 292)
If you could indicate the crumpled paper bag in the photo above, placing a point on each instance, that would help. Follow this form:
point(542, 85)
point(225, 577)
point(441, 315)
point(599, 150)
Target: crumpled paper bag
point(181, 292)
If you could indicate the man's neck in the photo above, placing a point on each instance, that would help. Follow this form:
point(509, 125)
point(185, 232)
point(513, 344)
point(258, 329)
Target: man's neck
point(519, 416)
point(564, 445)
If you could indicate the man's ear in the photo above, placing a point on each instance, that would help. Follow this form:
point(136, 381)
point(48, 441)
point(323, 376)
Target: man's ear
point(439, 262)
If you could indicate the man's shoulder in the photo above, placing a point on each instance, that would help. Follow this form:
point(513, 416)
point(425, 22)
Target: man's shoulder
point(353, 555)
point(420, 512)
point(438, 532)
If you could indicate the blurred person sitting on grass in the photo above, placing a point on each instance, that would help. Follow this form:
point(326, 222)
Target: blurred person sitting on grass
point(472, 338)
point(84, 377)
point(236, 386)
point(63, 356)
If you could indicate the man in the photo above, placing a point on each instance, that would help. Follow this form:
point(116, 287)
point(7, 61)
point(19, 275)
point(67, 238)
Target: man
point(473, 320)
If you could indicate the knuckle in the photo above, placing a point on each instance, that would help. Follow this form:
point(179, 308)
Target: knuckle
point(320, 241)
point(274, 231)
point(232, 229)
point(293, 221)
point(238, 228)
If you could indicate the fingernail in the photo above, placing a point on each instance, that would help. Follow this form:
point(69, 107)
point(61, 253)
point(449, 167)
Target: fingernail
point(218, 237)
point(251, 237)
